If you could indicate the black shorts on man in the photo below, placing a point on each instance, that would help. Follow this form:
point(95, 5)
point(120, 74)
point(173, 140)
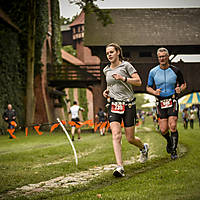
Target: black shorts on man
point(168, 110)
point(76, 120)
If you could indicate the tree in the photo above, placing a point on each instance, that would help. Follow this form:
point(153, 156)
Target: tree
point(70, 50)
point(65, 21)
point(89, 6)
point(30, 100)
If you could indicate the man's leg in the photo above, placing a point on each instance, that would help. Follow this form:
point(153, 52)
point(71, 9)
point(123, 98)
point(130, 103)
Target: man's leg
point(103, 130)
point(164, 128)
point(174, 135)
point(79, 133)
point(73, 132)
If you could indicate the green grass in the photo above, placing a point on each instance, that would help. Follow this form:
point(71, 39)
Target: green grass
point(24, 161)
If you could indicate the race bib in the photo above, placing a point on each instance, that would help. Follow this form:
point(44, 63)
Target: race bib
point(166, 103)
point(118, 107)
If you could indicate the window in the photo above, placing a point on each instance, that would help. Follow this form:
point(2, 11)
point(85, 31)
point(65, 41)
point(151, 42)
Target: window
point(145, 54)
point(126, 54)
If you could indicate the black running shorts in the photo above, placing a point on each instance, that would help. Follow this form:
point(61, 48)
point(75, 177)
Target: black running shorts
point(167, 112)
point(76, 120)
point(128, 117)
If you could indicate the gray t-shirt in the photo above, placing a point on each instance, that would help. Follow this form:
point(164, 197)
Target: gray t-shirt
point(119, 90)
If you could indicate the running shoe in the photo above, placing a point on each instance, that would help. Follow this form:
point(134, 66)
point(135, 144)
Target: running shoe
point(174, 155)
point(144, 153)
point(72, 138)
point(119, 172)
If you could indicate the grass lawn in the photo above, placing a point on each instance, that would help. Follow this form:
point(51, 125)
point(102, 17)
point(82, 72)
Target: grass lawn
point(34, 159)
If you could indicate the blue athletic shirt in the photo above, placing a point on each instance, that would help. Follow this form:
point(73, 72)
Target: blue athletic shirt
point(166, 79)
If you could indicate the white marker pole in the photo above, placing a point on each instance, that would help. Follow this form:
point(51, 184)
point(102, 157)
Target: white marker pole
point(64, 129)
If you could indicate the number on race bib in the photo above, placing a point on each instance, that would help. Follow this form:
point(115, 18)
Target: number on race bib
point(166, 103)
point(118, 107)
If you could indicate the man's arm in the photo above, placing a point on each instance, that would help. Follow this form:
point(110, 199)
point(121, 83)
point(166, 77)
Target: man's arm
point(4, 116)
point(181, 88)
point(152, 91)
point(14, 115)
point(181, 84)
point(82, 109)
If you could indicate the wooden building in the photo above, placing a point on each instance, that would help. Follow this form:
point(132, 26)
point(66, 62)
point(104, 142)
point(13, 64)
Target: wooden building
point(140, 32)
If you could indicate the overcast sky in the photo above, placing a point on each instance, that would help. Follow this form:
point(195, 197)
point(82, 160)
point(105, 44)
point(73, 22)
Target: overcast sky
point(69, 10)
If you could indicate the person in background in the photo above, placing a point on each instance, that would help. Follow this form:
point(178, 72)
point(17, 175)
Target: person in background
point(191, 118)
point(9, 116)
point(74, 111)
point(198, 113)
point(143, 117)
point(101, 115)
point(185, 118)
point(166, 82)
point(155, 122)
point(121, 76)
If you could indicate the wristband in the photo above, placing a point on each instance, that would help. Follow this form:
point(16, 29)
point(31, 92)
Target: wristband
point(125, 79)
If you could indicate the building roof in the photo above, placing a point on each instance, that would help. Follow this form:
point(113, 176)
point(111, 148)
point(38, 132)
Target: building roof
point(142, 27)
point(80, 19)
point(70, 58)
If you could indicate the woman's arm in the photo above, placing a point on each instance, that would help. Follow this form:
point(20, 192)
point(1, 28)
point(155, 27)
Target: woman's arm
point(134, 80)
point(105, 93)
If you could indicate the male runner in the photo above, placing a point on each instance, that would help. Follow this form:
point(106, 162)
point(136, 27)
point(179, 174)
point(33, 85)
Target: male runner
point(166, 82)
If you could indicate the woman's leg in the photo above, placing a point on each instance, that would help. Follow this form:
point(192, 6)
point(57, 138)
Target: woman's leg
point(117, 136)
point(132, 139)
point(144, 148)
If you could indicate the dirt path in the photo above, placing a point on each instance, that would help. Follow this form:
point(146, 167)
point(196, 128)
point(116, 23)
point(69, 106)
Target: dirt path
point(69, 180)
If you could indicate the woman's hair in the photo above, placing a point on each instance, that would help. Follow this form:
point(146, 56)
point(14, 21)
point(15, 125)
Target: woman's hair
point(117, 48)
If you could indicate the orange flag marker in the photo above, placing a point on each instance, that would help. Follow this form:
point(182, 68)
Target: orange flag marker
point(108, 126)
point(37, 129)
point(11, 131)
point(13, 123)
point(103, 125)
point(63, 122)
point(54, 127)
point(96, 126)
point(26, 131)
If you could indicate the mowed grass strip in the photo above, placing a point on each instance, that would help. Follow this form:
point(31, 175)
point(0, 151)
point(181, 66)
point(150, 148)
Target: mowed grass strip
point(159, 178)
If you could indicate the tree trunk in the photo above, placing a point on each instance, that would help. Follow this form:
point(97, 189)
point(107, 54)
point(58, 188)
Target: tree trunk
point(30, 102)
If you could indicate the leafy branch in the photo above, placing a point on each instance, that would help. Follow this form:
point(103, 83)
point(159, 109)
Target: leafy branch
point(89, 6)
